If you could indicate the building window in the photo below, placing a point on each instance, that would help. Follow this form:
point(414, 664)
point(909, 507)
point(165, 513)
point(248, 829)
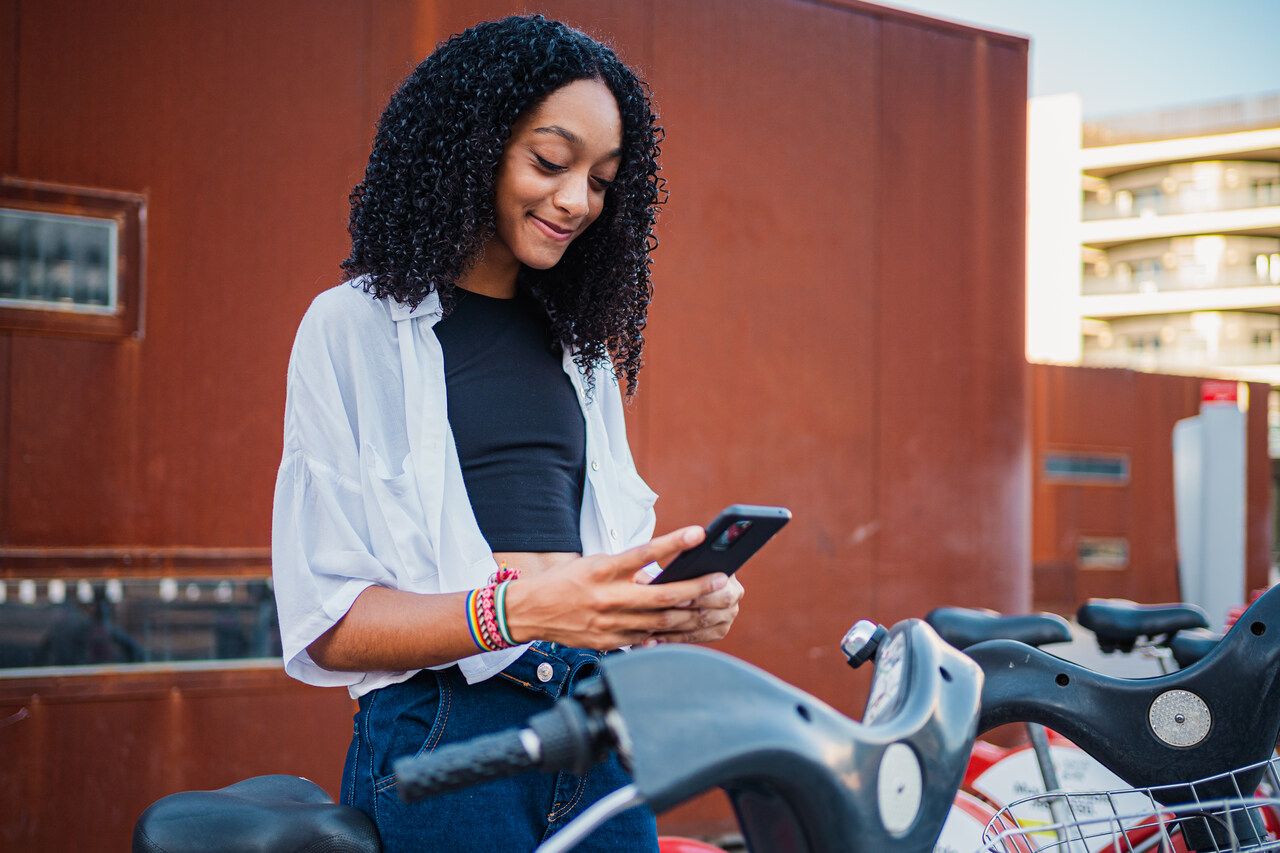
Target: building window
point(55, 623)
point(71, 260)
point(1266, 191)
point(1086, 469)
point(51, 261)
point(1147, 201)
point(1102, 552)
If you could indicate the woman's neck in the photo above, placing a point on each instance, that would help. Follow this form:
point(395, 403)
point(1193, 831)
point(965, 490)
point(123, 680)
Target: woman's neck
point(494, 272)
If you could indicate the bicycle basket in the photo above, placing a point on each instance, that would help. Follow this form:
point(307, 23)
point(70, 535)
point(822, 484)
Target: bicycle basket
point(1134, 821)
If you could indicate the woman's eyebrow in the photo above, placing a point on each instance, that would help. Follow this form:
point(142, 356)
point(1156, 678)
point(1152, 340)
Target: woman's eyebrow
point(570, 137)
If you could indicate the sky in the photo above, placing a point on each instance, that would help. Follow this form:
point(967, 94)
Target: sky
point(1135, 55)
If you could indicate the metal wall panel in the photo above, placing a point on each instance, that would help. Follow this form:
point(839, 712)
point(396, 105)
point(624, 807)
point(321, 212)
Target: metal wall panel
point(84, 755)
point(837, 324)
point(1100, 411)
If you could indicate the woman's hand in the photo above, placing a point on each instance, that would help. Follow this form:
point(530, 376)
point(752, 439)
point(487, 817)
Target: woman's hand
point(715, 614)
point(594, 603)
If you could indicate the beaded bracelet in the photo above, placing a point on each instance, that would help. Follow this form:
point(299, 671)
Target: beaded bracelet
point(487, 612)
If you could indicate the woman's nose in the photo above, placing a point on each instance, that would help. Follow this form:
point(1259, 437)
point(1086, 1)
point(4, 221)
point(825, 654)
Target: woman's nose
point(573, 196)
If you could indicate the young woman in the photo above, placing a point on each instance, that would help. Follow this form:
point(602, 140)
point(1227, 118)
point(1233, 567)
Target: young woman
point(454, 413)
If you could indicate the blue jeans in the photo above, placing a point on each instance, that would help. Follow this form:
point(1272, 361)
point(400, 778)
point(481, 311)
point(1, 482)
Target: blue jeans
point(437, 707)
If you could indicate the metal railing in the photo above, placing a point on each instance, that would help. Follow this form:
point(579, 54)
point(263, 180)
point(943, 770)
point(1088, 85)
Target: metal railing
point(1195, 120)
point(1170, 205)
point(1167, 281)
point(1183, 359)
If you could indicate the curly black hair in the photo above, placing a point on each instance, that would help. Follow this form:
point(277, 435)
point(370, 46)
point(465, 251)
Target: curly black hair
point(426, 205)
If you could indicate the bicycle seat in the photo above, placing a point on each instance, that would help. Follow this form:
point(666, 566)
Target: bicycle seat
point(967, 626)
point(1119, 624)
point(253, 816)
point(1189, 646)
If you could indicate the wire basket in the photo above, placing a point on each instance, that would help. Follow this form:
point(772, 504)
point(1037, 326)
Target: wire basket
point(1235, 811)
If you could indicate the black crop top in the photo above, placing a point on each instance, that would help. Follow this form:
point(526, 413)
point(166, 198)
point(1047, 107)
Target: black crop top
point(516, 422)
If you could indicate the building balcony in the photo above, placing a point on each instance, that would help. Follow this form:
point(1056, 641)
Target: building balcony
point(1111, 305)
point(1173, 205)
point(1245, 362)
point(1105, 233)
point(1166, 281)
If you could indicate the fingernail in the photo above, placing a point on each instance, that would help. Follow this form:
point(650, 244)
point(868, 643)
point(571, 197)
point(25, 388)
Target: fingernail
point(649, 642)
point(719, 581)
point(690, 535)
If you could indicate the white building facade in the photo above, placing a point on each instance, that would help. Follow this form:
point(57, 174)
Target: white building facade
point(1154, 239)
point(1174, 242)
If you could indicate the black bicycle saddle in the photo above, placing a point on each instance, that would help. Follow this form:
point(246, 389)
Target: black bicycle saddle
point(265, 813)
point(1119, 624)
point(1188, 647)
point(967, 626)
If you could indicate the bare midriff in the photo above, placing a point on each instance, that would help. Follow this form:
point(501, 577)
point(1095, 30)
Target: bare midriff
point(531, 563)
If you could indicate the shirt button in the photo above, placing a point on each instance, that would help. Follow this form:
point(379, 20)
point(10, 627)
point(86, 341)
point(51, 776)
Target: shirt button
point(595, 466)
point(613, 534)
point(545, 672)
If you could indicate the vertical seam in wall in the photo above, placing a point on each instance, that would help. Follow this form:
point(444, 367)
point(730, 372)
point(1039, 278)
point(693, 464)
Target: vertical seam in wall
point(980, 330)
point(6, 393)
point(6, 429)
point(13, 99)
point(877, 278)
point(367, 68)
point(651, 59)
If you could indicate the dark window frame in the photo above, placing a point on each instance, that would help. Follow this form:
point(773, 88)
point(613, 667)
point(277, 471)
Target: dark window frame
point(129, 211)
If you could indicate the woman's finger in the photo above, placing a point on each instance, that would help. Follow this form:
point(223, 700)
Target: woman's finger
point(717, 600)
point(704, 635)
point(655, 621)
point(658, 550)
point(711, 625)
point(676, 594)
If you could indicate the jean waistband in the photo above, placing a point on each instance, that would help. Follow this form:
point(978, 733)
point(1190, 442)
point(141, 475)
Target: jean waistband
point(551, 668)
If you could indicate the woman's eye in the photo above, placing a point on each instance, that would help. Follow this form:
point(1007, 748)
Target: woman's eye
point(548, 165)
point(602, 183)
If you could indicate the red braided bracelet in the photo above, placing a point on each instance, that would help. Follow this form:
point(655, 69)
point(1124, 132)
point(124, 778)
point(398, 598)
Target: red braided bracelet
point(504, 574)
point(482, 616)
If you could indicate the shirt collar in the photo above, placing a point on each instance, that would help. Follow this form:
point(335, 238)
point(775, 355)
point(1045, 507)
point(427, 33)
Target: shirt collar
point(428, 306)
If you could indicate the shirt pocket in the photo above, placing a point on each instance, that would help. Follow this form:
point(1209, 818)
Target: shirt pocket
point(397, 524)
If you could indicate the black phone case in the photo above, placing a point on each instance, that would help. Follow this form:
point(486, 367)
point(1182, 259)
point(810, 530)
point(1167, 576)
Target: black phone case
point(707, 558)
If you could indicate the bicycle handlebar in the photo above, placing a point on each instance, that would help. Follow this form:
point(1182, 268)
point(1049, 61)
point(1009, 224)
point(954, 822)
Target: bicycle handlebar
point(461, 765)
point(566, 737)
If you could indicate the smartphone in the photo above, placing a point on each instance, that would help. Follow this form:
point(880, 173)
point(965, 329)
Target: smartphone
point(737, 533)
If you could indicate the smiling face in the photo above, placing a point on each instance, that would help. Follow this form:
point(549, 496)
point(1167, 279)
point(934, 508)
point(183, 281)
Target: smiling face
point(554, 173)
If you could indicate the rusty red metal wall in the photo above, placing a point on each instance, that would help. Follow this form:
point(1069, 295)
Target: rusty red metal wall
point(837, 327)
point(245, 124)
point(84, 755)
point(1125, 412)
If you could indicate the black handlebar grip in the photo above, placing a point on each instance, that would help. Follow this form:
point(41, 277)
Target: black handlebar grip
point(569, 739)
point(460, 765)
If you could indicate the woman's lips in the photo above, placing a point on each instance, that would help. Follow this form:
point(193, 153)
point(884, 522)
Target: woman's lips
point(551, 231)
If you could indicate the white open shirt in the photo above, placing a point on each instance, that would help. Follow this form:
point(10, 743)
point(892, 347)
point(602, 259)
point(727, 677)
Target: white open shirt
point(370, 489)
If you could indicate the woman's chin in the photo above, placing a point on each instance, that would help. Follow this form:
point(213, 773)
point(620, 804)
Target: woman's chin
point(541, 260)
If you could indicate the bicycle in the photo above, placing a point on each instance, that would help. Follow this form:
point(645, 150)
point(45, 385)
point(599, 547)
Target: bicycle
point(801, 776)
point(1203, 735)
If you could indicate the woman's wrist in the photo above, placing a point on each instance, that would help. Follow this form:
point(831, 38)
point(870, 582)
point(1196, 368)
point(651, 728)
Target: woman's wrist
point(521, 597)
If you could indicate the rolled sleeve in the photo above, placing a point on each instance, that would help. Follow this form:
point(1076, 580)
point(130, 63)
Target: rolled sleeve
point(321, 560)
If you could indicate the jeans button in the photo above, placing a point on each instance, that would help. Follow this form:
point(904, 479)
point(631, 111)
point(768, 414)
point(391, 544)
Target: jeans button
point(545, 672)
